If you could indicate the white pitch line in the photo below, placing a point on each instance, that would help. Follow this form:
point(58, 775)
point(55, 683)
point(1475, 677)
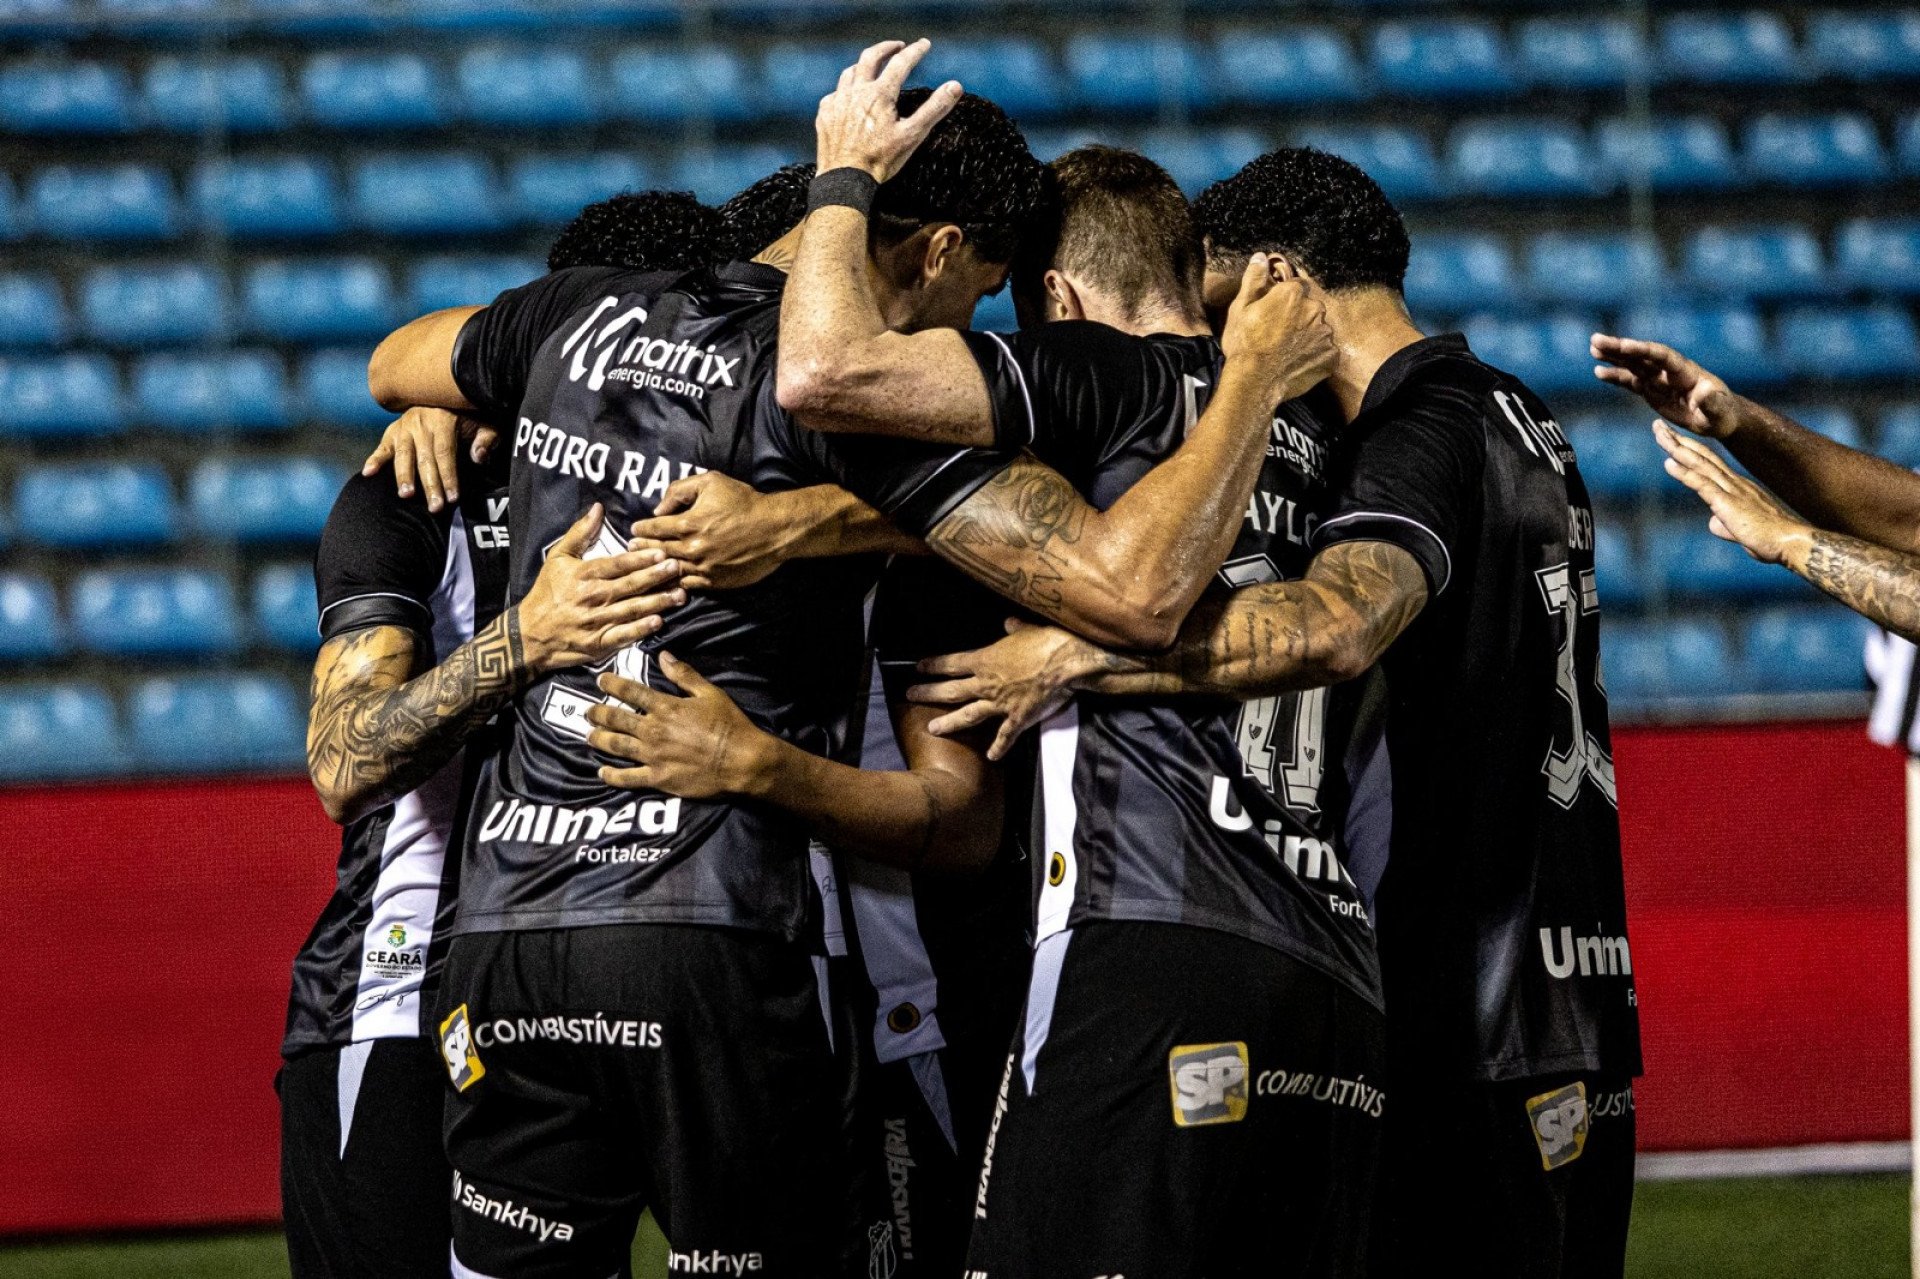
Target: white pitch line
point(1781, 1161)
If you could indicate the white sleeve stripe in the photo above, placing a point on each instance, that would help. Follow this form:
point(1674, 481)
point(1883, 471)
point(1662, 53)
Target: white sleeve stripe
point(1033, 428)
point(931, 477)
point(1446, 558)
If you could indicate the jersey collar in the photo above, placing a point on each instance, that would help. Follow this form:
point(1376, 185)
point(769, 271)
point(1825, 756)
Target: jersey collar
point(754, 275)
point(1408, 360)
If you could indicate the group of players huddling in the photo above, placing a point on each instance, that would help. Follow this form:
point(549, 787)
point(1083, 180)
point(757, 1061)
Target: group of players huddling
point(676, 692)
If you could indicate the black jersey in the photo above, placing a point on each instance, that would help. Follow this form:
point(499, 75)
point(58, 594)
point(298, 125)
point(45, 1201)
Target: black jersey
point(620, 383)
point(1502, 913)
point(1199, 811)
point(385, 560)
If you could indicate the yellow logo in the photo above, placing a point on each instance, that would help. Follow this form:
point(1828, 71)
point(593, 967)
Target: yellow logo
point(1056, 869)
point(1209, 1083)
point(456, 1047)
point(1559, 1120)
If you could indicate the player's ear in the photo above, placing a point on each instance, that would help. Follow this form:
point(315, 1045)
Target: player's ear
point(1063, 300)
point(940, 252)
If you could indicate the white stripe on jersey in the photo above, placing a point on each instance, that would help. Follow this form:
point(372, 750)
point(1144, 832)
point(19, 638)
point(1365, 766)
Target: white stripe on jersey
point(349, 1068)
point(1890, 662)
point(888, 924)
point(1059, 747)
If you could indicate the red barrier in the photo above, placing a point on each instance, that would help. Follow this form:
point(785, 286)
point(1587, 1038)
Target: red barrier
point(146, 931)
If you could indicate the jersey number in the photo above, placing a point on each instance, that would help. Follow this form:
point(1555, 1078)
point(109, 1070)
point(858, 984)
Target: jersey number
point(1581, 757)
point(566, 708)
point(1282, 740)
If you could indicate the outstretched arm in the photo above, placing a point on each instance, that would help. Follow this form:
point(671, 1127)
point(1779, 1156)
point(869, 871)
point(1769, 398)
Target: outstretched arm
point(1832, 485)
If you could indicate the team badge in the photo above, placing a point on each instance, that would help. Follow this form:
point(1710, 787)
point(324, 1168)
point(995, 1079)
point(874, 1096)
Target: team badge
point(1209, 1083)
point(397, 935)
point(456, 1046)
point(1559, 1120)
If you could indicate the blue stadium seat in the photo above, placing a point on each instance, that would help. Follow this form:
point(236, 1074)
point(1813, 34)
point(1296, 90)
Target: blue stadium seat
point(372, 91)
point(197, 95)
point(50, 732)
point(121, 202)
point(280, 197)
point(83, 506)
point(1520, 158)
point(1200, 158)
point(285, 611)
point(1608, 268)
point(1579, 53)
point(1442, 59)
point(32, 312)
point(333, 389)
point(1756, 262)
point(793, 76)
point(666, 84)
point(1686, 153)
point(1813, 649)
point(1458, 273)
point(154, 612)
point(522, 86)
point(319, 18)
point(1849, 342)
point(715, 176)
point(438, 283)
point(1293, 66)
point(1618, 456)
point(996, 314)
point(65, 97)
point(210, 393)
point(318, 300)
point(31, 629)
point(1015, 71)
point(1616, 568)
point(1644, 663)
point(282, 499)
point(1898, 438)
point(213, 723)
point(1133, 74)
point(549, 189)
point(1842, 149)
point(1879, 255)
point(167, 305)
point(1400, 160)
point(59, 395)
point(1694, 564)
point(1729, 48)
point(445, 193)
point(1865, 46)
point(1729, 339)
point(10, 228)
point(1548, 354)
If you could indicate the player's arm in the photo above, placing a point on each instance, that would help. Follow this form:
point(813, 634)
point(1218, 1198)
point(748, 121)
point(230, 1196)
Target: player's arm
point(380, 724)
point(413, 365)
point(941, 813)
point(1833, 486)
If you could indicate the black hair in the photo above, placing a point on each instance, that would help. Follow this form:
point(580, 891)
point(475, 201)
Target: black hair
point(1125, 225)
point(1323, 213)
point(974, 171)
point(642, 230)
point(764, 212)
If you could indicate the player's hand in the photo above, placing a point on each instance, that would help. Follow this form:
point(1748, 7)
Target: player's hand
point(1743, 512)
point(581, 610)
point(723, 533)
point(424, 447)
point(1020, 681)
point(859, 124)
point(1278, 325)
point(1673, 386)
point(698, 746)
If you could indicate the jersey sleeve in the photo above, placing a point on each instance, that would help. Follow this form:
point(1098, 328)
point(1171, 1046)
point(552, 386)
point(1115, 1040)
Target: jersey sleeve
point(924, 608)
point(1414, 481)
point(380, 560)
point(496, 346)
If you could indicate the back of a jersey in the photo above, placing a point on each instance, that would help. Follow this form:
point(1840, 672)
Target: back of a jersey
point(633, 382)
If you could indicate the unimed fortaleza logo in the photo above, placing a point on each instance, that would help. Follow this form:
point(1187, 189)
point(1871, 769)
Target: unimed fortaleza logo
point(1209, 1083)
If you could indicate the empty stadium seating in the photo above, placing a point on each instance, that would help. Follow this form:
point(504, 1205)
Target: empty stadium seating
point(214, 723)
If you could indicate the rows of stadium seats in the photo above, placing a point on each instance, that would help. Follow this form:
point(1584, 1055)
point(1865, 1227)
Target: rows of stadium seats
point(170, 724)
point(102, 505)
point(156, 613)
point(550, 85)
point(1796, 649)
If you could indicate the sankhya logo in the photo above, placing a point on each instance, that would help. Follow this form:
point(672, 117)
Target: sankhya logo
point(712, 1261)
point(648, 362)
point(506, 1213)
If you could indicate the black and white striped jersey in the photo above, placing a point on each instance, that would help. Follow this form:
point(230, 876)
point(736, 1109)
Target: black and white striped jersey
point(1895, 719)
point(385, 560)
point(1199, 811)
point(1502, 912)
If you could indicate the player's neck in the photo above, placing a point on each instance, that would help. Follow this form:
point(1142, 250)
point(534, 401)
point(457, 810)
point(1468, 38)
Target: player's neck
point(1370, 327)
point(1164, 315)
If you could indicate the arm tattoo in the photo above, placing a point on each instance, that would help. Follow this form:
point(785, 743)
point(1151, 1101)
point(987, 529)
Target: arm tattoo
point(1880, 585)
point(373, 737)
point(1008, 534)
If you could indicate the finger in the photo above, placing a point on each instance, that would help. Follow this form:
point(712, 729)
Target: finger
point(901, 64)
point(1720, 530)
point(618, 637)
point(431, 483)
point(1624, 378)
point(681, 494)
point(952, 692)
point(616, 719)
point(941, 101)
point(381, 455)
point(946, 664)
point(483, 441)
point(611, 568)
point(627, 778)
point(1014, 625)
point(617, 744)
point(446, 456)
point(631, 691)
point(874, 56)
point(653, 577)
point(575, 541)
point(1004, 739)
point(1693, 479)
point(403, 471)
point(970, 716)
point(696, 581)
point(1255, 281)
point(663, 528)
point(639, 608)
point(693, 682)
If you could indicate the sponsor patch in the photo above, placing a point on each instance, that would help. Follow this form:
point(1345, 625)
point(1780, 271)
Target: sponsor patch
point(456, 1047)
point(1209, 1084)
point(1559, 1120)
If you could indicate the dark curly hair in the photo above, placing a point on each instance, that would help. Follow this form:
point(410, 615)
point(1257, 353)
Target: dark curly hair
point(764, 211)
point(974, 171)
point(1322, 212)
point(642, 230)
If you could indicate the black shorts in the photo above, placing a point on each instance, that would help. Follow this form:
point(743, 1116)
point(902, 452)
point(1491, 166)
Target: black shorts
point(370, 1201)
point(1525, 1180)
point(600, 1071)
point(1181, 1102)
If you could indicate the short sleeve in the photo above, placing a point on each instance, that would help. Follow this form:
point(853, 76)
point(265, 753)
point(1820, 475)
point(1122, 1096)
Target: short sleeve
point(496, 346)
point(1413, 480)
point(925, 608)
point(380, 560)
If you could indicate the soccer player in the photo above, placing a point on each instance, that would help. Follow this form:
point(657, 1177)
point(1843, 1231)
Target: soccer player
point(642, 230)
point(1461, 548)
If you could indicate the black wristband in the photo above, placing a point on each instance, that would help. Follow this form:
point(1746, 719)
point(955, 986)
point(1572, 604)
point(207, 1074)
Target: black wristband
point(851, 187)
